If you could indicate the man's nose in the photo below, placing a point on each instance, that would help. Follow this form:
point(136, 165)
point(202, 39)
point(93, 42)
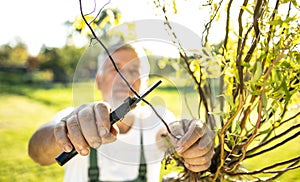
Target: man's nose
point(126, 73)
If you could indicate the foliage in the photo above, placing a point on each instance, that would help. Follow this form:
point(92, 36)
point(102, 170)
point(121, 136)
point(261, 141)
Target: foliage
point(258, 78)
point(13, 54)
point(52, 64)
point(60, 61)
point(99, 22)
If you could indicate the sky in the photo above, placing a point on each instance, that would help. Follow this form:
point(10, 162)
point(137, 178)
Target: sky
point(38, 22)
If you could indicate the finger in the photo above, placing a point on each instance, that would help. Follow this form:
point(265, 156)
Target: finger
point(198, 168)
point(114, 130)
point(207, 140)
point(194, 132)
point(88, 126)
point(102, 111)
point(177, 128)
point(200, 160)
point(76, 136)
point(60, 134)
point(197, 149)
point(112, 135)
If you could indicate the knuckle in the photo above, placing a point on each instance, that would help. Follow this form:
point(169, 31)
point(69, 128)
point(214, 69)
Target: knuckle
point(59, 129)
point(72, 124)
point(82, 107)
point(204, 146)
point(102, 106)
point(85, 114)
point(205, 143)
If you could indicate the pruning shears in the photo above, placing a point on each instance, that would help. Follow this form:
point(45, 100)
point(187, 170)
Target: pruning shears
point(116, 115)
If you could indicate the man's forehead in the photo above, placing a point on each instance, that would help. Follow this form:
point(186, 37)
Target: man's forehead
point(122, 63)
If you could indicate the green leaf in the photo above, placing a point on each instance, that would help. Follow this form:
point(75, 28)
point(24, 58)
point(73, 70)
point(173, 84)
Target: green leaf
point(162, 63)
point(227, 148)
point(265, 131)
point(286, 90)
point(258, 71)
point(247, 9)
point(276, 22)
point(264, 100)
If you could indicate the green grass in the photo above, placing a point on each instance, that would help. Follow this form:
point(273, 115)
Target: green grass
point(26, 107)
point(19, 118)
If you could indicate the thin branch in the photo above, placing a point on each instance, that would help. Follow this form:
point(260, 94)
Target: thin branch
point(240, 21)
point(240, 68)
point(265, 169)
point(289, 119)
point(240, 51)
point(222, 138)
point(200, 91)
point(270, 33)
point(208, 25)
point(107, 52)
point(184, 56)
point(99, 12)
point(260, 110)
point(256, 15)
point(95, 5)
point(164, 122)
point(227, 25)
point(275, 146)
point(272, 139)
point(281, 172)
point(246, 113)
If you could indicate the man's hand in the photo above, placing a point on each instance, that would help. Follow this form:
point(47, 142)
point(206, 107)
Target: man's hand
point(87, 126)
point(196, 143)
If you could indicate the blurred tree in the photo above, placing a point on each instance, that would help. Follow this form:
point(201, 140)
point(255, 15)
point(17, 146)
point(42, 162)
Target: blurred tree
point(13, 54)
point(60, 61)
point(32, 63)
point(51, 60)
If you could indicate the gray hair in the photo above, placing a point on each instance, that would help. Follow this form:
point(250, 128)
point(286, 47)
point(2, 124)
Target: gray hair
point(144, 63)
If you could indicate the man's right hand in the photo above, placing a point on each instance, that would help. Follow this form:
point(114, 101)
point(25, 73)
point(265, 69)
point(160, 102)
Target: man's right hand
point(87, 126)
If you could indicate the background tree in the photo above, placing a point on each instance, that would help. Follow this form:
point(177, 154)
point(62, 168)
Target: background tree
point(13, 54)
point(258, 88)
point(60, 61)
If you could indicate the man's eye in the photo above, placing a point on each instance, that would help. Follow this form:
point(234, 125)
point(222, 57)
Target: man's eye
point(134, 72)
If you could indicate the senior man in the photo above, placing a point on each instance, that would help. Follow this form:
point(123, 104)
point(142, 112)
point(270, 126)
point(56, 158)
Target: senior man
point(129, 149)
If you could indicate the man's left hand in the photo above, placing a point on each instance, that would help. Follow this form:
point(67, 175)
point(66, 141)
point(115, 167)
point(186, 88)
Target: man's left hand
point(196, 143)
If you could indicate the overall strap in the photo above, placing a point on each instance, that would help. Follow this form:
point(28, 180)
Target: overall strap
point(143, 167)
point(93, 171)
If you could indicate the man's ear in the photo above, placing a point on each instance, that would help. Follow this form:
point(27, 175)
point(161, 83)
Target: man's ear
point(98, 80)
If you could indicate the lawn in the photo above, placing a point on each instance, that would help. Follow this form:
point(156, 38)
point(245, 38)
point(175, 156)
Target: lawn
point(24, 108)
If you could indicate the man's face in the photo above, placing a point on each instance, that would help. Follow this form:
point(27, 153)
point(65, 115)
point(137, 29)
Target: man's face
point(113, 87)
